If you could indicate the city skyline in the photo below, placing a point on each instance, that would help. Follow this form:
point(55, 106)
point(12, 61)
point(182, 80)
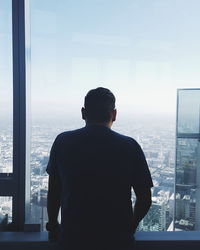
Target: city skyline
point(157, 142)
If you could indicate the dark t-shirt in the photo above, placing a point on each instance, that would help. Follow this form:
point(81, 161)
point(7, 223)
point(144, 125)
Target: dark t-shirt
point(97, 168)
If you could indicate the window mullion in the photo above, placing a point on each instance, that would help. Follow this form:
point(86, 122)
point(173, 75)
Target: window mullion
point(19, 113)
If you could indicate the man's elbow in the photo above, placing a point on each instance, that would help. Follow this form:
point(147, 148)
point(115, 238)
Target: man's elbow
point(149, 202)
point(145, 200)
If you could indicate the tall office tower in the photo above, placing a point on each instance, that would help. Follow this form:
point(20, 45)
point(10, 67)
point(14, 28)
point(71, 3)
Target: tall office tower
point(155, 220)
point(187, 185)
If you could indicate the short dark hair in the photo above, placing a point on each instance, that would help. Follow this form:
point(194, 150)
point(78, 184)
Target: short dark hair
point(99, 104)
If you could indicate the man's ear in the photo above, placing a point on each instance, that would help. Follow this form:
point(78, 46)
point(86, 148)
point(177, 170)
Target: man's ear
point(114, 114)
point(83, 112)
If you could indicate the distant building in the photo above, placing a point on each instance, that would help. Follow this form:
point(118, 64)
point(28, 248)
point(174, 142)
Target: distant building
point(187, 193)
point(155, 220)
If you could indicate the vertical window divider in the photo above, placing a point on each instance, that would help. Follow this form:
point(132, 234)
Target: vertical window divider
point(19, 113)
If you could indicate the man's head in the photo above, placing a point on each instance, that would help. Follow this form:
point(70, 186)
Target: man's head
point(99, 106)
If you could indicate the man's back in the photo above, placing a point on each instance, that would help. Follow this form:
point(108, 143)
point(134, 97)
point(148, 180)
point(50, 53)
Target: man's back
point(91, 172)
point(97, 168)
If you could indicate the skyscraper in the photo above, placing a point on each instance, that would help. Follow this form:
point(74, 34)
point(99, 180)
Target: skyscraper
point(187, 183)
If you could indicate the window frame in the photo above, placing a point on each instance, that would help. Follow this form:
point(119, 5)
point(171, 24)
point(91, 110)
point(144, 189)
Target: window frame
point(17, 184)
point(14, 184)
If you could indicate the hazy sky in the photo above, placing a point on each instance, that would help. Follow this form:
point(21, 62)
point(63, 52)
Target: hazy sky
point(143, 50)
point(5, 58)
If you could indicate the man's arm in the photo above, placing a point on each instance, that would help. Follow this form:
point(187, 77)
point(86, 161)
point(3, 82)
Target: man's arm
point(53, 205)
point(142, 205)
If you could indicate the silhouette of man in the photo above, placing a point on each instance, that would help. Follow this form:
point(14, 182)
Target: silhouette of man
point(91, 173)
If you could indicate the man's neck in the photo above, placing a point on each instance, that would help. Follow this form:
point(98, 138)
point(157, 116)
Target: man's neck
point(105, 124)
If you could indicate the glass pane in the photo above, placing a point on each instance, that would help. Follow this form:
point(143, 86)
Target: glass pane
point(142, 50)
point(189, 111)
point(187, 185)
point(6, 95)
point(5, 212)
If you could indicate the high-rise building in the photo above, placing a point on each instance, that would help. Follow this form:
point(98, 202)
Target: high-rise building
point(155, 220)
point(187, 184)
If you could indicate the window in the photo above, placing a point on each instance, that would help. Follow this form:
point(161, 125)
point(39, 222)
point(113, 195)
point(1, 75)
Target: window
point(5, 211)
point(6, 97)
point(142, 50)
point(138, 49)
point(6, 110)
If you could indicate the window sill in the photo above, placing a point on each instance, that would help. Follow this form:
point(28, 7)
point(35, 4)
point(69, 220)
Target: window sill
point(144, 240)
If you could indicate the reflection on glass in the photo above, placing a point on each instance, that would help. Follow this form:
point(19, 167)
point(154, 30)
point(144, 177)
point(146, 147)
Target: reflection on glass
point(6, 111)
point(187, 184)
point(187, 197)
point(189, 111)
point(5, 212)
point(186, 161)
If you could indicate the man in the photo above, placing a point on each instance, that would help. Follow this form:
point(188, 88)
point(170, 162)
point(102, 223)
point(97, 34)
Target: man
point(91, 173)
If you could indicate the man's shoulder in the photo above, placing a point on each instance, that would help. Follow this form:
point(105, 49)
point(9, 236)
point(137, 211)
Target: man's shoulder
point(76, 134)
point(124, 138)
point(70, 133)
